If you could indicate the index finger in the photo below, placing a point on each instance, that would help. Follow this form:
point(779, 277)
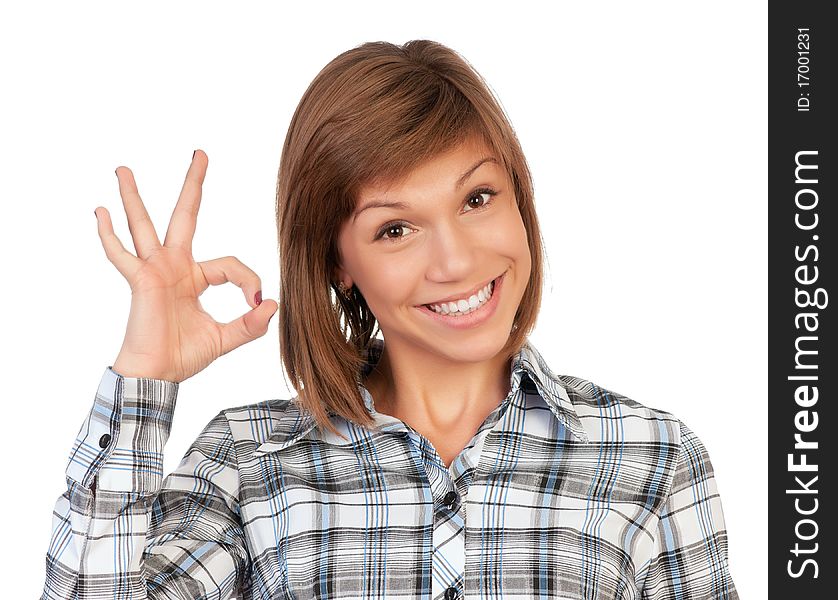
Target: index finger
point(185, 215)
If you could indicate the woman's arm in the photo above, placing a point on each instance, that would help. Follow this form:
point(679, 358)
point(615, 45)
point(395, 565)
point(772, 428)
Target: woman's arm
point(689, 559)
point(120, 531)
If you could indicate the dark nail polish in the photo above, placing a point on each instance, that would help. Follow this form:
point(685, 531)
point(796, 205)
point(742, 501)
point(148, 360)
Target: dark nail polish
point(258, 298)
point(193, 154)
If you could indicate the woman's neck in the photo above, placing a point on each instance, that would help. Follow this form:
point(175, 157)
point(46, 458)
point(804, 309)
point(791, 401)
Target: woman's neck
point(437, 395)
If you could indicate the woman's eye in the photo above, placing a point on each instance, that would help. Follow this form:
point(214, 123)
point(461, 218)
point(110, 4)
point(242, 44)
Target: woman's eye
point(477, 195)
point(392, 231)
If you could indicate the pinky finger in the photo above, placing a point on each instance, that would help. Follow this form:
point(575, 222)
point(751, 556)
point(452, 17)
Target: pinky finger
point(125, 262)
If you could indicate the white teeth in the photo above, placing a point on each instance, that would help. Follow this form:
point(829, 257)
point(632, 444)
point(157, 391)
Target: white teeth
point(461, 307)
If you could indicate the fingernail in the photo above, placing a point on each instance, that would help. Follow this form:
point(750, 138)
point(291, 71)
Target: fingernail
point(193, 154)
point(96, 214)
point(258, 298)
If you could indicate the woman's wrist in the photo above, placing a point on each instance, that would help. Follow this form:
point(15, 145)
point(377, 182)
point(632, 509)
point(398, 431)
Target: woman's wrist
point(133, 367)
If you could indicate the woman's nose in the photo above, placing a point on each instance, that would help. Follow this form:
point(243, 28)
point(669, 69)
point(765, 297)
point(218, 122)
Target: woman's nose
point(454, 253)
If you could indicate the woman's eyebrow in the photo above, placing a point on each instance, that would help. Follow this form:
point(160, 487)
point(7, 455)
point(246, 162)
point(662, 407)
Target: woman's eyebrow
point(403, 205)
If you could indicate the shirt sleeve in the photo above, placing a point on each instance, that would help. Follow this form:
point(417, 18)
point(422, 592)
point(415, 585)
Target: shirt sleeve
point(123, 532)
point(689, 558)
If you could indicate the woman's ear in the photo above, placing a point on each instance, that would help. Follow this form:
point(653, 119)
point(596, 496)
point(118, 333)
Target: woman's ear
point(340, 275)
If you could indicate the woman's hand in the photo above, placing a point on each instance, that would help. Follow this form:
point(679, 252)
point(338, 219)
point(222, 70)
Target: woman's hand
point(169, 336)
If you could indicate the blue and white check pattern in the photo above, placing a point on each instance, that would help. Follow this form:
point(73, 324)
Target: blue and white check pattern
point(567, 490)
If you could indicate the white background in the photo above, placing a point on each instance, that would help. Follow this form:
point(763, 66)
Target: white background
point(644, 124)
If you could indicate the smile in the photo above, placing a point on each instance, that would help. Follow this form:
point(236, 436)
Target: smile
point(470, 311)
point(464, 306)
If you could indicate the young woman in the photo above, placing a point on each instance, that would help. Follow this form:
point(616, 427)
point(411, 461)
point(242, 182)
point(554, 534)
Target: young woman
point(442, 459)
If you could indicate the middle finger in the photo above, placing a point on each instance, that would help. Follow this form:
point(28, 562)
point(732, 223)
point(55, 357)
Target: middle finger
point(184, 217)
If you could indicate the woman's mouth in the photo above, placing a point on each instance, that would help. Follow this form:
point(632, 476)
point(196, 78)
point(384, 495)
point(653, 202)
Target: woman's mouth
point(467, 312)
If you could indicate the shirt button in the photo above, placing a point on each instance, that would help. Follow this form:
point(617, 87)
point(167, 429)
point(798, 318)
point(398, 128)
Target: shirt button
point(105, 440)
point(449, 500)
point(451, 593)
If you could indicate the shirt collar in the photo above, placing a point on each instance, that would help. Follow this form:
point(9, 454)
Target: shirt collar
point(529, 371)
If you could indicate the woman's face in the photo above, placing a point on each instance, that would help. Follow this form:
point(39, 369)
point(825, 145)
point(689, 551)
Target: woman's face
point(455, 228)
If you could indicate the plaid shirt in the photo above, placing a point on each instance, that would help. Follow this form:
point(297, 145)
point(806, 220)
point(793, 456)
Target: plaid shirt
point(567, 490)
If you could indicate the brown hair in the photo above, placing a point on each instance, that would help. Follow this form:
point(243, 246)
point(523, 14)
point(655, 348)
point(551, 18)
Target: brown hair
point(372, 115)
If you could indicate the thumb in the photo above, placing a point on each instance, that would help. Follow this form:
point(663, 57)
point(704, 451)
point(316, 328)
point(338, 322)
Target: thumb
point(251, 325)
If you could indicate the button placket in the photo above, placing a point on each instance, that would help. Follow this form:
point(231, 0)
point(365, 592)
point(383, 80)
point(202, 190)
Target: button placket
point(448, 539)
point(449, 499)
